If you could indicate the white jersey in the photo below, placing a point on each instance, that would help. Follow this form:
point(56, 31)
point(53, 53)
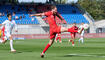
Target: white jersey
point(82, 31)
point(9, 25)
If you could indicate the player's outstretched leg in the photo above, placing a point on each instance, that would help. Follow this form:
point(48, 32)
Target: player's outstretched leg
point(63, 29)
point(46, 48)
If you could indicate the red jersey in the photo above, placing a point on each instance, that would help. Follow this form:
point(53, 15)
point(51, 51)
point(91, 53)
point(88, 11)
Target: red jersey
point(51, 19)
point(59, 35)
point(54, 29)
point(74, 27)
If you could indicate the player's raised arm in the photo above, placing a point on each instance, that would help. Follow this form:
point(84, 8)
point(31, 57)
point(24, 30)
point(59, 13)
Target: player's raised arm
point(39, 14)
point(62, 19)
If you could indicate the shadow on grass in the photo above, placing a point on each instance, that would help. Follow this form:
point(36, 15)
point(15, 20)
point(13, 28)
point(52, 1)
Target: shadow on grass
point(16, 52)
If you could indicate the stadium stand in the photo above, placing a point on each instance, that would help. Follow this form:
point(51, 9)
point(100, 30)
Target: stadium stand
point(21, 13)
point(71, 14)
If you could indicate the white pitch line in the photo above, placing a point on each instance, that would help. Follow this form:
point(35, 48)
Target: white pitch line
point(85, 55)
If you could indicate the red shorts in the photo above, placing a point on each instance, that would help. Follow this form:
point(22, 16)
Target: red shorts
point(73, 35)
point(3, 30)
point(54, 31)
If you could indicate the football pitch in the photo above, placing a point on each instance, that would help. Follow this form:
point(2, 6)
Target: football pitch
point(92, 49)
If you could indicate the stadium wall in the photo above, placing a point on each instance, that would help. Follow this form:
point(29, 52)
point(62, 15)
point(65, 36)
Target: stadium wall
point(29, 29)
point(36, 29)
point(39, 32)
point(46, 36)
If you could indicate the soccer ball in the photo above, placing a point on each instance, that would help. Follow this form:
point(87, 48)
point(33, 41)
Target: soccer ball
point(85, 26)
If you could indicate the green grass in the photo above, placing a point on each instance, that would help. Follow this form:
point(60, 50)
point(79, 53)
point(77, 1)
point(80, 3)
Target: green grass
point(92, 49)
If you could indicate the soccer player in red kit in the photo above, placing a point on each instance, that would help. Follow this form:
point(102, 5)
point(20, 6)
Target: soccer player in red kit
point(3, 30)
point(2, 33)
point(58, 37)
point(54, 28)
point(72, 34)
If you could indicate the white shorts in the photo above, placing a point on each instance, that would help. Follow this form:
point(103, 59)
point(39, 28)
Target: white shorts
point(7, 35)
point(82, 34)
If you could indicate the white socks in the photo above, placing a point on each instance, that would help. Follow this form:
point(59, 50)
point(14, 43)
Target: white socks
point(11, 45)
point(81, 39)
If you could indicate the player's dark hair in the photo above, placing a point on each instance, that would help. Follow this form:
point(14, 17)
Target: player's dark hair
point(9, 15)
point(53, 6)
point(14, 12)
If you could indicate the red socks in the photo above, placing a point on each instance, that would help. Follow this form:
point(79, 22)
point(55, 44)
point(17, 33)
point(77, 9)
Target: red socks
point(46, 48)
point(72, 30)
point(72, 42)
point(58, 38)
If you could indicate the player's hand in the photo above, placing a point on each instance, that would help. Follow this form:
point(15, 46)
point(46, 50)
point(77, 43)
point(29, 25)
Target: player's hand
point(31, 15)
point(64, 22)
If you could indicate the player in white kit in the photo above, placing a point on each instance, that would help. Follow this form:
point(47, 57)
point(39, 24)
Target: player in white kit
point(9, 25)
point(82, 34)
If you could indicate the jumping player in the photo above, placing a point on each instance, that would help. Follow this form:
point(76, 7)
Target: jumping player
point(72, 34)
point(9, 25)
point(58, 37)
point(82, 33)
point(54, 28)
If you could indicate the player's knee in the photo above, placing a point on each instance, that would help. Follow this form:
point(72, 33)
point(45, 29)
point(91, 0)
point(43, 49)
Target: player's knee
point(51, 42)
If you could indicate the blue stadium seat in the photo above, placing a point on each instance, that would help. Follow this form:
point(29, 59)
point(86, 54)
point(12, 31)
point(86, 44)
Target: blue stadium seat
point(71, 14)
point(25, 20)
